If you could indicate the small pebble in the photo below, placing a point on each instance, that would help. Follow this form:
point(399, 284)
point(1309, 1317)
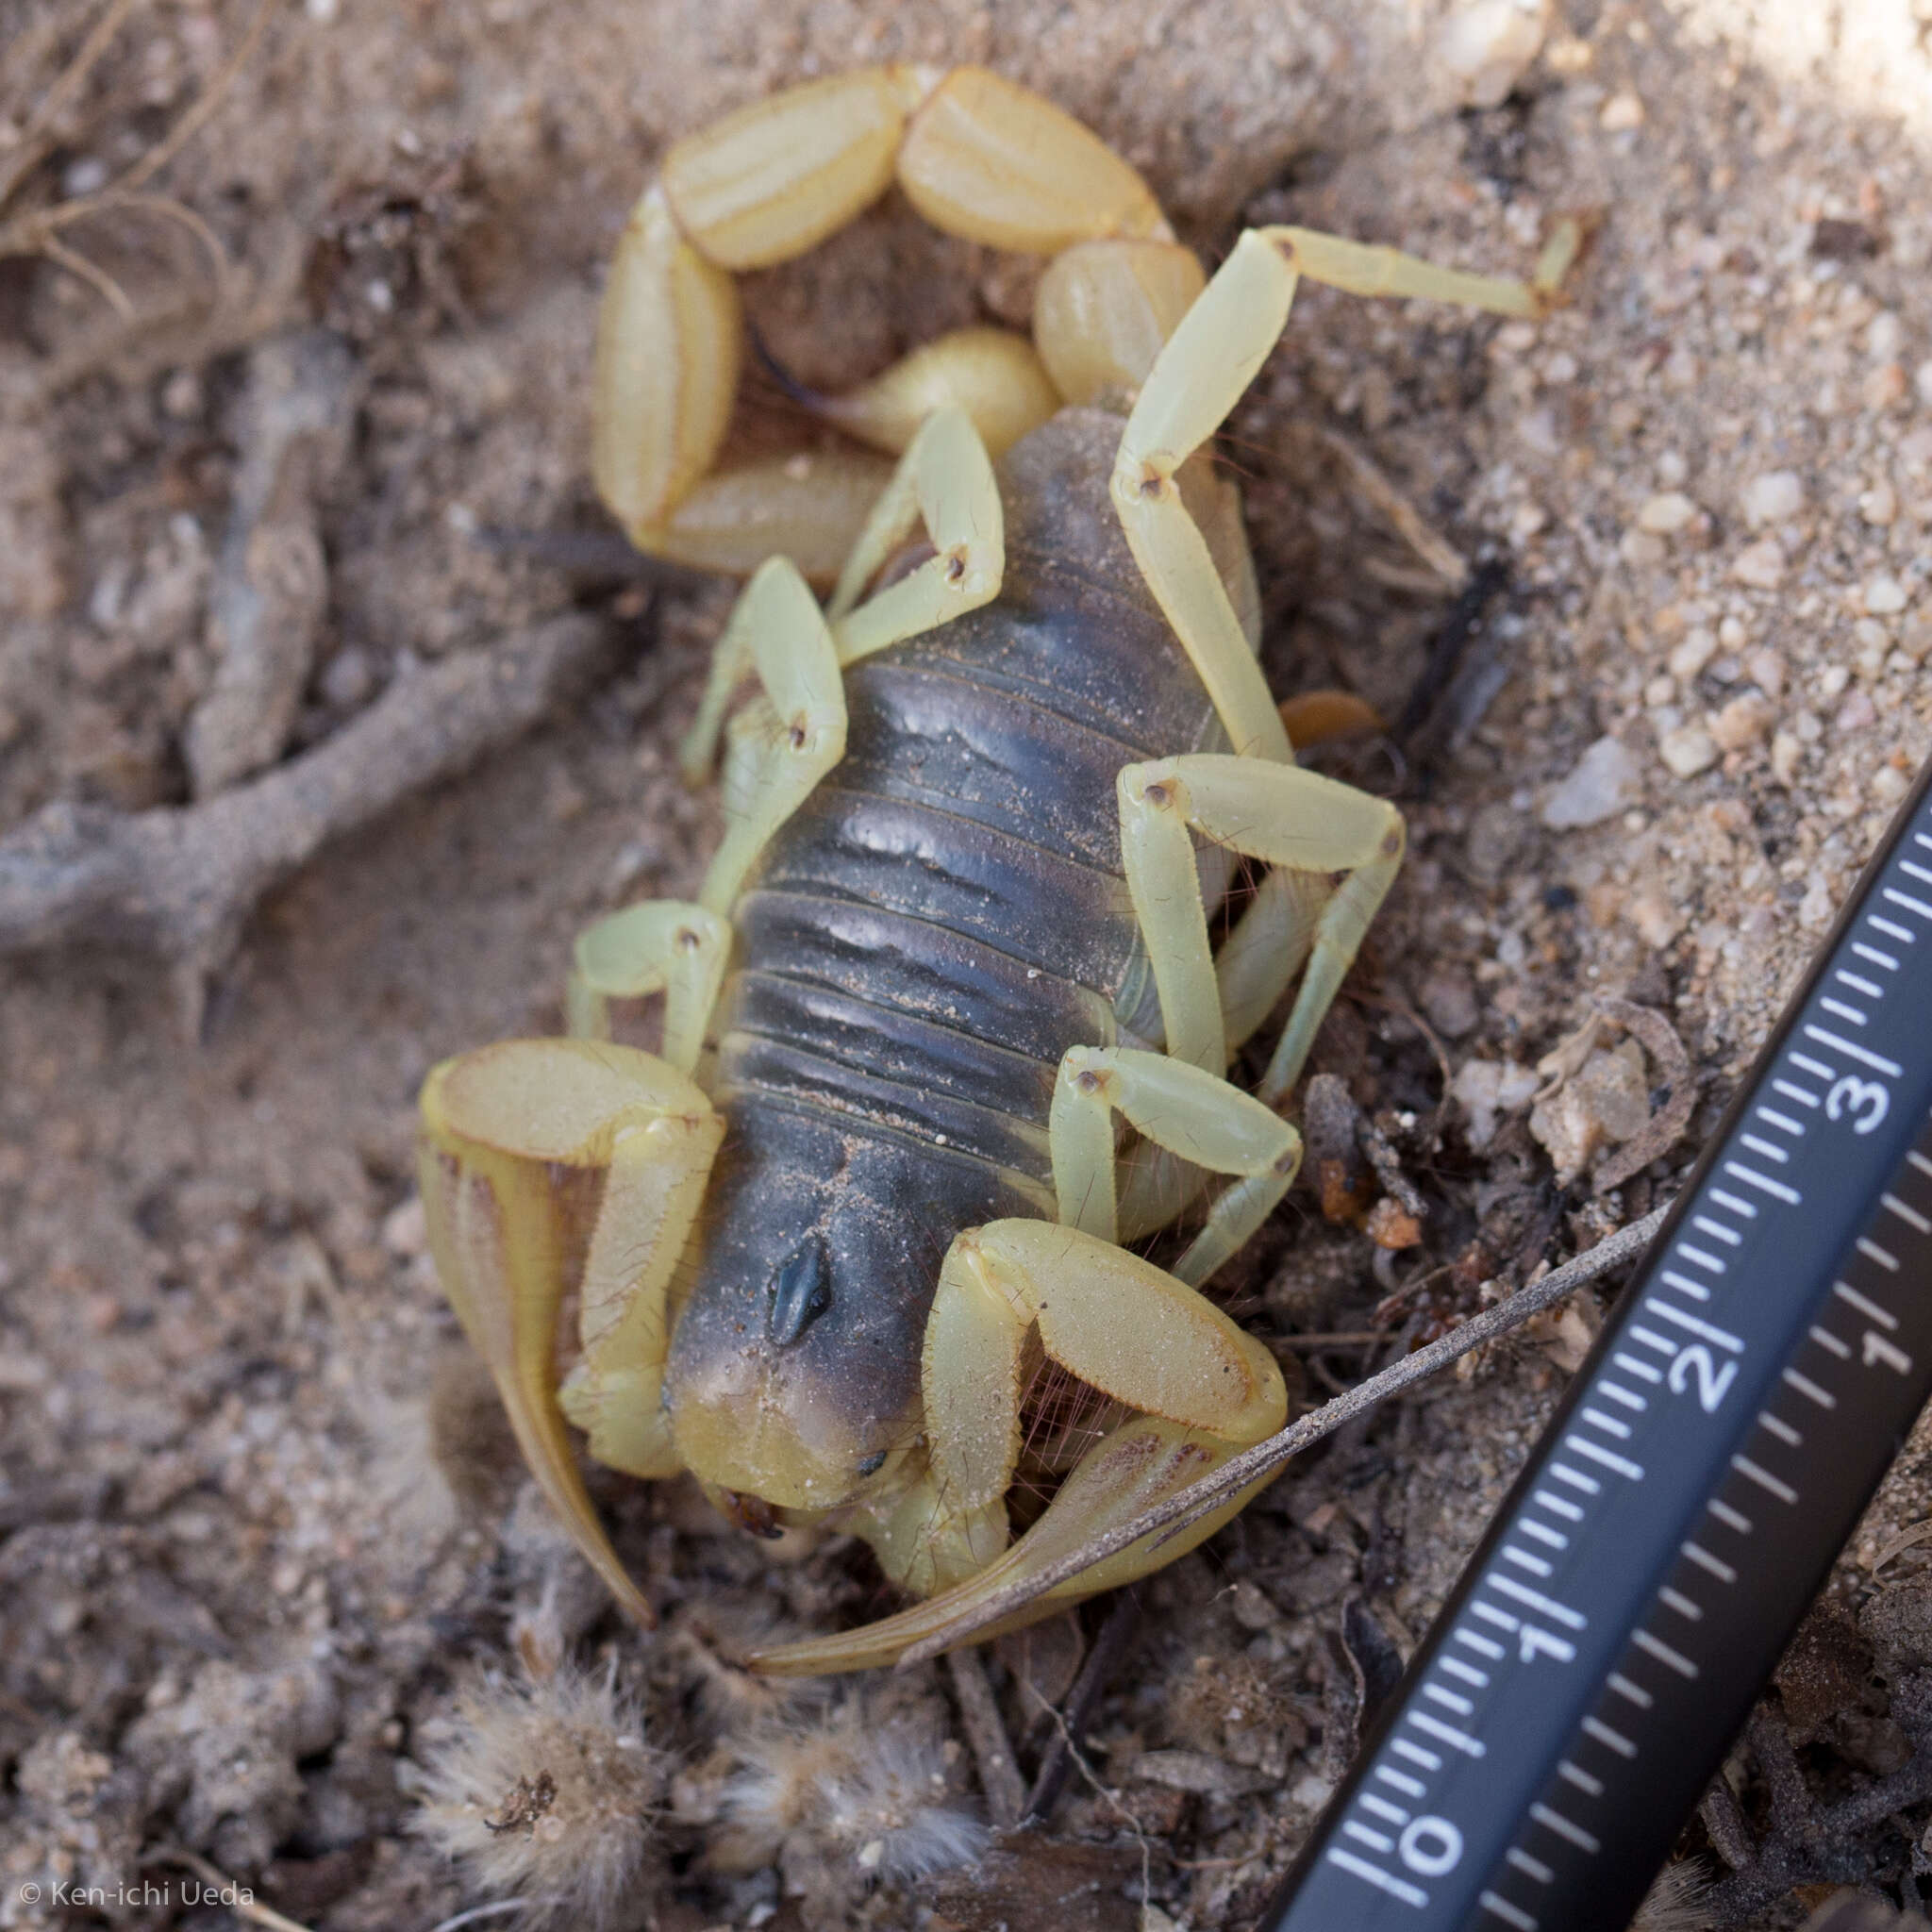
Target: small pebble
point(1667, 514)
point(1688, 750)
point(1605, 780)
point(1761, 565)
point(1488, 1087)
point(1855, 714)
point(405, 1229)
point(1447, 998)
point(1767, 669)
point(1883, 596)
point(1642, 550)
point(1621, 113)
point(1889, 785)
point(1786, 755)
point(1921, 381)
point(1659, 692)
point(1742, 722)
point(1880, 504)
point(1698, 648)
point(348, 677)
point(1655, 918)
point(1775, 497)
point(1487, 47)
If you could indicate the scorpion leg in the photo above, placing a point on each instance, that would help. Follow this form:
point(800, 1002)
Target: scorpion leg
point(783, 743)
point(1282, 816)
point(1204, 1388)
point(1213, 354)
point(944, 480)
point(663, 945)
point(523, 1145)
point(1185, 1110)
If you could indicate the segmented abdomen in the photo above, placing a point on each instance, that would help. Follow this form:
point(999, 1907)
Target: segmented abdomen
point(946, 915)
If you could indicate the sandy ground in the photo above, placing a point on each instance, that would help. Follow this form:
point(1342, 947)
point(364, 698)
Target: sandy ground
point(243, 1571)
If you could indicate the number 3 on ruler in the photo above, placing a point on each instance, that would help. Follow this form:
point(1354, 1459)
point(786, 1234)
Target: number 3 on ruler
point(1864, 1100)
point(1696, 1363)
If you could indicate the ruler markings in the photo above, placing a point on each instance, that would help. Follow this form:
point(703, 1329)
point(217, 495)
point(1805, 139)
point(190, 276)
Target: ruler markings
point(1532, 1868)
point(1643, 1371)
point(1511, 1915)
point(1910, 1216)
point(1620, 1465)
point(1361, 1868)
point(1865, 1306)
point(1705, 1332)
point(1716, 1229)
point(1769, 1484)
point(1575, 1477)
point(1917, 872)
point(1656, 1647)
point(1719, 1350)
point(1705, 1561)
point(1448, 1734)
point(1851, 1049)
point(1764, 1183)
point(1564, 1827)
point(1809, 1389)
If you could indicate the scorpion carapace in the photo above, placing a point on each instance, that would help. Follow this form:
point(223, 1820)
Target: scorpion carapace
point(952, 961)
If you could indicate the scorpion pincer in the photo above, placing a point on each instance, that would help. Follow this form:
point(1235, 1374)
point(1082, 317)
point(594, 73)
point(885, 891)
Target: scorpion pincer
point(951, 962)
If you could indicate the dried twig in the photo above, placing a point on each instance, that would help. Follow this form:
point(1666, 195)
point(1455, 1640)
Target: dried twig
point(1658, 1135)
point(271, 588)
point(1063, 1748)
point(986, 1732)
point(1190, 1504)
point(244, 1906)
point(178, 882)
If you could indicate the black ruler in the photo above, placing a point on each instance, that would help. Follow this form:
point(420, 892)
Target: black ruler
point(1681, 1512)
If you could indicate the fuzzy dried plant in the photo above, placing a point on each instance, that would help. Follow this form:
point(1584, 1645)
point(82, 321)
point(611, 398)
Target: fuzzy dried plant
point(546, 1793)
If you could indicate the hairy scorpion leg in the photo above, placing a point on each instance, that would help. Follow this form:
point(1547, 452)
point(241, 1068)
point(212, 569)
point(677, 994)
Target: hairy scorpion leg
point(522, 1143)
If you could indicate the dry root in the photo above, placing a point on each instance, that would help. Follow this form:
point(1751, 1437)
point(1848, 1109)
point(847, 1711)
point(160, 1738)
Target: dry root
point(176, 883)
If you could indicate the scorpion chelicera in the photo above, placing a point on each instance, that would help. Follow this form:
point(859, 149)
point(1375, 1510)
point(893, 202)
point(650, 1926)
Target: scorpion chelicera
point(952, 959)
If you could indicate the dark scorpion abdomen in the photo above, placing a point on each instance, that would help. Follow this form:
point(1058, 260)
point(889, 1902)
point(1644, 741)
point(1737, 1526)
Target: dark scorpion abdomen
point(940, 922)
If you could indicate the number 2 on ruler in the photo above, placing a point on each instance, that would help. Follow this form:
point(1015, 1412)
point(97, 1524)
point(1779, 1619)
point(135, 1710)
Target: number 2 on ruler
point(1696, 1363)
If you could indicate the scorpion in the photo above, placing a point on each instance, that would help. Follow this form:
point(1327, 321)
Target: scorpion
point(944, 1030)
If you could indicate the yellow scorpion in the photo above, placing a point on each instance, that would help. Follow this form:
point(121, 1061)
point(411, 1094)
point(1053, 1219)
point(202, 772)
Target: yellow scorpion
point(951, 962)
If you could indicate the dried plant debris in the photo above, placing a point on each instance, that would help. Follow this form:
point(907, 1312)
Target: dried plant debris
point(546, 1793)
point(870, 1792)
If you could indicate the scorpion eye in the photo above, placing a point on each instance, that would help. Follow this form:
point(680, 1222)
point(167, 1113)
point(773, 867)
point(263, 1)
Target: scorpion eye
point(871, 1465)
point(801, 1291)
